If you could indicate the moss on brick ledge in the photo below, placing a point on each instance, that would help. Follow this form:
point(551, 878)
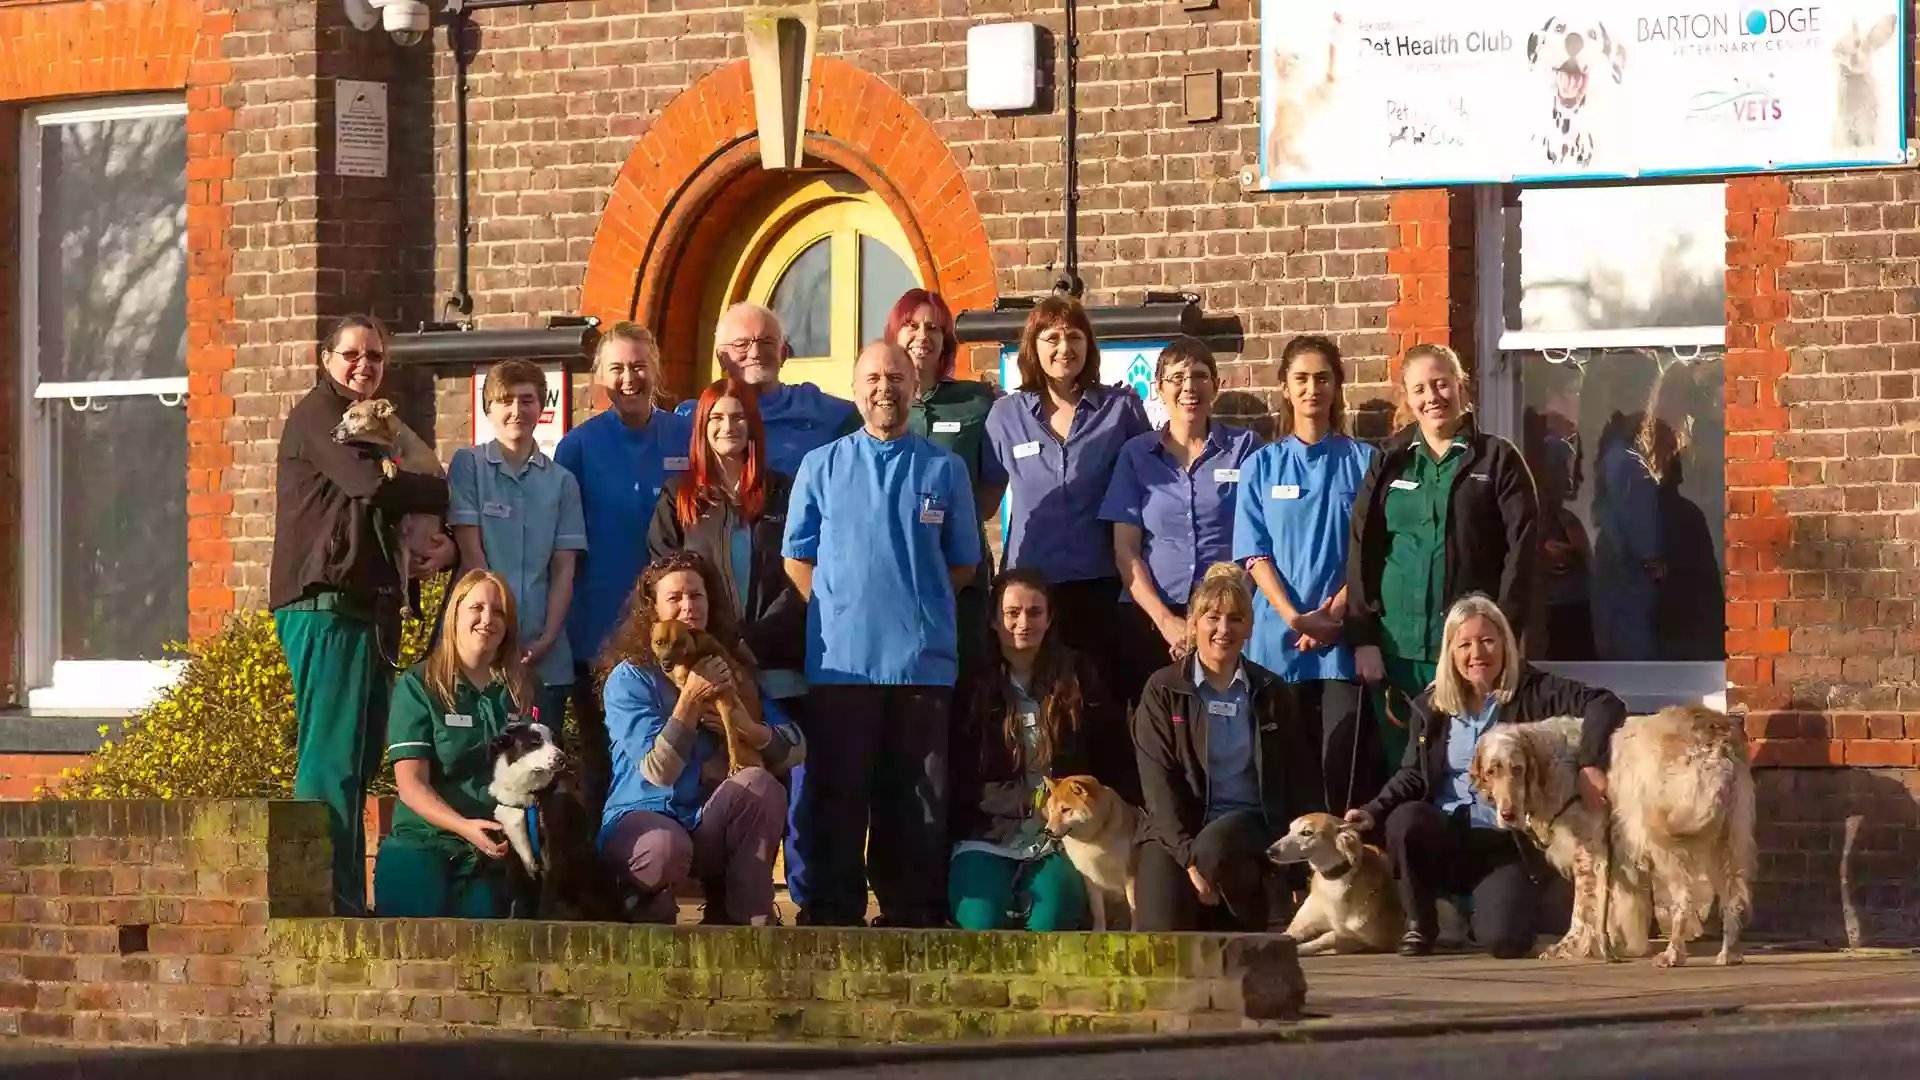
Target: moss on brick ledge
point(373, 979)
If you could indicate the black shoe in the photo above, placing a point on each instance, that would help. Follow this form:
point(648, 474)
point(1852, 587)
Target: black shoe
point(714, 911)
point(1415, 943)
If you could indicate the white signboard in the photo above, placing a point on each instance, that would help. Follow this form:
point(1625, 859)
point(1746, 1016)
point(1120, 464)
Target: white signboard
point(359, 128)
point(554, 416)
point(1381, 93)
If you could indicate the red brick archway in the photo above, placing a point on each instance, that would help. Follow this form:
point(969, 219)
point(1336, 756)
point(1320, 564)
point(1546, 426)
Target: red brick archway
point(702, 156)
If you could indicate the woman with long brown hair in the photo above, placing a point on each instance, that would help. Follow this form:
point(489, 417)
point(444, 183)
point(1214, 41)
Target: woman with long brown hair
point(673, 810)
point(1024, 718)
point(443, 858)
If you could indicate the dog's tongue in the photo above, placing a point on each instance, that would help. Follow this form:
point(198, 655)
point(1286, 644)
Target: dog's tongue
point(1573, 85)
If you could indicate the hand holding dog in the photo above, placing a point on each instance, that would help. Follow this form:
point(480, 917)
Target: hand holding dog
point(1202, 886)
point(479, 832)
point(440, 555)
point(1359, 819)
point(1592, 786)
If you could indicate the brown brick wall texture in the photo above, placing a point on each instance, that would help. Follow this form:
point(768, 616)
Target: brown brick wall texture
point(191, 922)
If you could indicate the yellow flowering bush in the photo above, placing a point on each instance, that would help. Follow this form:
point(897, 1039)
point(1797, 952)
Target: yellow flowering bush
point(225, 729)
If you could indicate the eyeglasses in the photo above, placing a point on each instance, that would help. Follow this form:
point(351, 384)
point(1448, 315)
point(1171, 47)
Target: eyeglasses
point(747, 345)
point(356, 357)
point(1189, 378)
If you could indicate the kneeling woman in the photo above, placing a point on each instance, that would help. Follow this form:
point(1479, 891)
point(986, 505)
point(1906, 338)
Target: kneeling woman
point(1026, 715)
point(1443, 835)
point(673, 810)
point(444, 856)
point(1227, 761)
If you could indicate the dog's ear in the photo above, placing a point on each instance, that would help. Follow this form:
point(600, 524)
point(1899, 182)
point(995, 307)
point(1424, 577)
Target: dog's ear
point(382, 408)
point(500, 743)
point(1615, 53)
point(1348, 843)
point(1539, 762)
point(1476, 769)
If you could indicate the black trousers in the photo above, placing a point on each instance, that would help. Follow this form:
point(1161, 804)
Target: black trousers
point(1433, 851)
point(875, 804)
point(1086, 619)
point(1231, 852)
point(1350, 756)
point(591, 748)
point(1143, 650)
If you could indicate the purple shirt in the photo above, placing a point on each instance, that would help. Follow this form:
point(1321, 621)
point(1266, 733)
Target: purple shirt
point(1054, 487)
point(1186, 514)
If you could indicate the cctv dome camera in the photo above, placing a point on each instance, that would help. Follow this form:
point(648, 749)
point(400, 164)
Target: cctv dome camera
point(407, 21)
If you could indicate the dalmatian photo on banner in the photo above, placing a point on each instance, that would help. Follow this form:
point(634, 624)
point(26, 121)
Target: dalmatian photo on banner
point(1385, 93)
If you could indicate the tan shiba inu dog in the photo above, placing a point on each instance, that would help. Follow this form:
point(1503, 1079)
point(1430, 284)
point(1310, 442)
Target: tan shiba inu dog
point(1099, 832)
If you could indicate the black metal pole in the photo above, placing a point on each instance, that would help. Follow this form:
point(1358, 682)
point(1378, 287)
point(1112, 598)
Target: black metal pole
point(1070, 282)
point(461, 299)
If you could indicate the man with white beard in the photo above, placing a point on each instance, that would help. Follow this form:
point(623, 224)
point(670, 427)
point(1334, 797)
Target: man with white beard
point(880, 533)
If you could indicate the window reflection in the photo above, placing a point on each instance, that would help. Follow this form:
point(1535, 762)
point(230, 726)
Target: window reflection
point(1628, 450)
point(883, 277)
point(804, 300)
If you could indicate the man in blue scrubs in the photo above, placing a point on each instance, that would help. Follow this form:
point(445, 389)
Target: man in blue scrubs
point(880, 534)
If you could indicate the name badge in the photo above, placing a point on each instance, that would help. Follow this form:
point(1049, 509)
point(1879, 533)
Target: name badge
point(676, 464)
point(1226, 476)
point(1286, 491)
point(930, 516)
point(497, 510)
point(1026, 450)
point(946, 427)
point(459, 720)
point(1405, 485)
point(1223, 708)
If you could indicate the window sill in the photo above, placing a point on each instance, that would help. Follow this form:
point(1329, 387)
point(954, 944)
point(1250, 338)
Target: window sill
point(1649, 687)
point(103, 688)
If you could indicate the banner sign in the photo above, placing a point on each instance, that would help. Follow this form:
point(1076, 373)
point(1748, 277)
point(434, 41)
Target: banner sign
point(1384, 93)
point(555, 415)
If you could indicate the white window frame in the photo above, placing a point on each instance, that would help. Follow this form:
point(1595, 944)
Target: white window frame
point(86, 687)
point(1644, 686)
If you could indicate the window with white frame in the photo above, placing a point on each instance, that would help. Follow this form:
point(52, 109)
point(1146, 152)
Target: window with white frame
point(104, 429)
point(1609, 305)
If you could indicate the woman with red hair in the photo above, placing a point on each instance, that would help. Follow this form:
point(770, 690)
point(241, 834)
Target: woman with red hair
point(953, 414)
point(731, 508)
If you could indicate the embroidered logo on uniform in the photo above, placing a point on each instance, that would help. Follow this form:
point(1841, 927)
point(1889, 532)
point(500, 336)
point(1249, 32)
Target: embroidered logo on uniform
point(1479, 476)
point(1178, 719)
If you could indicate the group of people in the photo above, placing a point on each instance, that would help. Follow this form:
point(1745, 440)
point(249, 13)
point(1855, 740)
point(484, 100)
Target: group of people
point(1226, 632)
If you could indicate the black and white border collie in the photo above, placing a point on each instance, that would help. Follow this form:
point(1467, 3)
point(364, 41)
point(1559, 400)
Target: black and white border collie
point(556, 872)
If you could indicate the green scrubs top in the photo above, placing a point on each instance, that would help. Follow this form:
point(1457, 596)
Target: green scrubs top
point(453, 742)
point(1413, 583)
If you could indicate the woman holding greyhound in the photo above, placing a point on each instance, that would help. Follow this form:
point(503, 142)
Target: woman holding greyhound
point(1227, 761)
point(335, 590)
point(1023, 719)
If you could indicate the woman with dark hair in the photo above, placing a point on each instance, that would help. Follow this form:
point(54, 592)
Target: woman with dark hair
point(673, 809)
point(1025, 716)
point(1055, 442)
point(952, 413)
point(1291, 529)
point(335, 589)
point(1171, 504)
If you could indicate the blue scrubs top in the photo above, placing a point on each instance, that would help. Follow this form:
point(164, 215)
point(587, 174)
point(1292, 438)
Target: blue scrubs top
point(1056, 487)
point(1185, 514)
point(620, 471)
point(882, 522)
point(799, 418)
point(1296, 508)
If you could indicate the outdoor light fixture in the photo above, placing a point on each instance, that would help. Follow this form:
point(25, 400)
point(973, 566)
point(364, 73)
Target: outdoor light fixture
point(407, 21)
point(1003, 67)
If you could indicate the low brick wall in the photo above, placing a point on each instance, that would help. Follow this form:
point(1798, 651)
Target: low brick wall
point(205, 922)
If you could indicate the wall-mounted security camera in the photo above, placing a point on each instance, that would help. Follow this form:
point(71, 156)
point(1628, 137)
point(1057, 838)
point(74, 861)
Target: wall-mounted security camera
point(406, 21)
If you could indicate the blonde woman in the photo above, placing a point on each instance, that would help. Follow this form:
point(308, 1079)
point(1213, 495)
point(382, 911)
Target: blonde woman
point(1444, 510)
point(443, 858)
point(621, 459)
point(1227, 761)
point(1442, 836)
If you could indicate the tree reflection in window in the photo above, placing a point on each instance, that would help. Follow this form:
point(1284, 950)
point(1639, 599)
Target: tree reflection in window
point(804, 300)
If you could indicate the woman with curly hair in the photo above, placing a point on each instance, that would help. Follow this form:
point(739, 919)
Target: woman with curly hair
point(673, 810)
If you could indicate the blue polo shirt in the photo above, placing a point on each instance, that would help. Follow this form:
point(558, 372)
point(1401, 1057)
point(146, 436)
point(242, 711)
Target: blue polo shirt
point(620, 471)
point(1233, 783)
point(1186, 515)
point(1296, 508)
point(882, 522)
point(799, 418)
point(1055, 488)
point(1463, 735)
point(524, 516)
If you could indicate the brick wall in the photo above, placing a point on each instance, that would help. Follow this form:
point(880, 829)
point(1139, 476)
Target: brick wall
point(190, 922)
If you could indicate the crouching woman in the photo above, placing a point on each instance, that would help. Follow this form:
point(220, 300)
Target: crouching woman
point(1444, 836)
point(444, 858)
point(673, 810)
point(1227, 761)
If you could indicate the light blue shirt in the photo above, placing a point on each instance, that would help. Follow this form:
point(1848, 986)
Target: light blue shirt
point(1055, 488)
point(524, 516)
point(1232, 781)
point(620, 471)
point(1296, 508)
point(799, 418)
point(1463, 735)
point(882, 522)
point(1184, 514)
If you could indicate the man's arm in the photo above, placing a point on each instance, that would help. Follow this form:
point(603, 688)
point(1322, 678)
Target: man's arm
point(800, 572)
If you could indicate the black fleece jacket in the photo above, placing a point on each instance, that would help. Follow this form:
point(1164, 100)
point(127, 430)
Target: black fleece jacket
point(774, 624)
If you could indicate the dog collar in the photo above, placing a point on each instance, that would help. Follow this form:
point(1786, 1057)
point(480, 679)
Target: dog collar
point(1338, 872)
point(533, 832)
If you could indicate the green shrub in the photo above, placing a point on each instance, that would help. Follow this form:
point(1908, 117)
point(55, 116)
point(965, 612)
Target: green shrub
point(225, 729)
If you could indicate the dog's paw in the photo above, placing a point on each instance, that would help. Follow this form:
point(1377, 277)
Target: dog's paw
point(1670, 957)
point(1730, 958)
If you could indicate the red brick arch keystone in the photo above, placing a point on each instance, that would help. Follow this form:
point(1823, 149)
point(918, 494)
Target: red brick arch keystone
point(703, 150)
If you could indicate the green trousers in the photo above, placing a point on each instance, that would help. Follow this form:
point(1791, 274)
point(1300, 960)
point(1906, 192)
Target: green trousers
point(340, 692)
point(415, 879)
point(989, 892)
point(1393, 704)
